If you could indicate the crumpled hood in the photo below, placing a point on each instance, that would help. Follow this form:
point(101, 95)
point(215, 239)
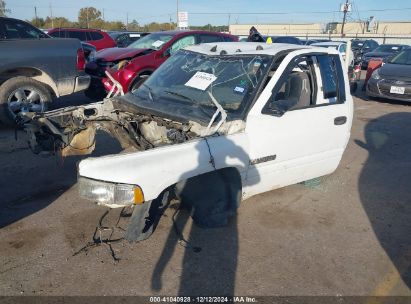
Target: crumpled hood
point(114, 54)
point(396, 71)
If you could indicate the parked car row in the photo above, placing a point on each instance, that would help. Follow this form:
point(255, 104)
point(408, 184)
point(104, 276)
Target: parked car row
point(100, 39)
point(132, 65)
point(392, 79)
point(111, 64)
point(384, 51)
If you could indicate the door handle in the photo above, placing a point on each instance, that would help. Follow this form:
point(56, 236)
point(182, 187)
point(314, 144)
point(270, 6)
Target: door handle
point(340, 120)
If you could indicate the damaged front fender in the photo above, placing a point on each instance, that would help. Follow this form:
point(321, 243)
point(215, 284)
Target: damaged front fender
point(156, 169)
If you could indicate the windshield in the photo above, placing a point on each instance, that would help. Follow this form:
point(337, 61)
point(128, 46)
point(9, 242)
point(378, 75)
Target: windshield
point(402, 58)
point(153, 41)
point(388, 48)
point(357, 44)
point(192, 77)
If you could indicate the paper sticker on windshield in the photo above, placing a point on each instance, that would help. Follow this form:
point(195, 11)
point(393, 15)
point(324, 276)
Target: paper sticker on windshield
point(395, 47)
point(134, 35)
point(239, 90)
point(157, 43)
point(201, 80)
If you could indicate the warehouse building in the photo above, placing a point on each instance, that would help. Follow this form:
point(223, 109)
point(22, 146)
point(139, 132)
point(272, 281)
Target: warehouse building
point(382, 31)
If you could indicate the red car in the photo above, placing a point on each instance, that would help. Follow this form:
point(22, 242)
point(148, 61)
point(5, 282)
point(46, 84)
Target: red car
point(130, 66)
point(101, 40)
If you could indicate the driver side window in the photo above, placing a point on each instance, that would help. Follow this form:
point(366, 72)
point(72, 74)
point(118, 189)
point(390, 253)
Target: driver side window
point(21, 30)
point(295, 90)
point(182, 43)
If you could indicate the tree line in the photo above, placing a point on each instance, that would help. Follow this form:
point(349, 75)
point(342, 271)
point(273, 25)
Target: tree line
point(90, 17)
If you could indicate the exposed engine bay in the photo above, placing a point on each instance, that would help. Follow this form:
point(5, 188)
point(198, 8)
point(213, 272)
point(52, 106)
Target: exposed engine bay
point(191, 95)
point(72, 130)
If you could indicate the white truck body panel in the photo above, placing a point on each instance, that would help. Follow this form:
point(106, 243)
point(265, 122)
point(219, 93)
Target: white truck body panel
point(302, 144)
point(156, 169)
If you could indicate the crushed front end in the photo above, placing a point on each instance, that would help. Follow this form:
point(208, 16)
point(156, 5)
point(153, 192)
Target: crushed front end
point(72, 130)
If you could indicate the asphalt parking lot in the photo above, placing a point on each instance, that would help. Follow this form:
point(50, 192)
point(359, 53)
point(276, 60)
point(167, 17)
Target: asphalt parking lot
point(343, 234)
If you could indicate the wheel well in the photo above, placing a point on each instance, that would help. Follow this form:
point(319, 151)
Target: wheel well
point(144, 73)
point(33, 73)
point(213, 197)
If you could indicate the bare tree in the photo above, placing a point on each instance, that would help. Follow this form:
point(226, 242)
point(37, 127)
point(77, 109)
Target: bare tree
point(89, 16)
point(3, 9)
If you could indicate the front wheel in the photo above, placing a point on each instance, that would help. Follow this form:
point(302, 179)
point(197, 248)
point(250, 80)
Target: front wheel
point(22, 94)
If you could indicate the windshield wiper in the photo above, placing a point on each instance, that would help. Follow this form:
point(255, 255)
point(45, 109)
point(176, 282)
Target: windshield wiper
point(220, 110)
point(180, 95)
point(190, 99)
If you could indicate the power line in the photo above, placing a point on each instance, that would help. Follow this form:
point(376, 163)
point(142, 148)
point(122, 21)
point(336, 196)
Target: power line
point(241, 13)
point(295, 13)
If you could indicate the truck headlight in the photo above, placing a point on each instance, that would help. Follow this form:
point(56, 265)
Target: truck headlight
point(375, 75)
point(110, 194)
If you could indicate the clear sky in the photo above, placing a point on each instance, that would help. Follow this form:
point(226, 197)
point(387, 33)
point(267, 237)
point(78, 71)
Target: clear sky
point(217, 12)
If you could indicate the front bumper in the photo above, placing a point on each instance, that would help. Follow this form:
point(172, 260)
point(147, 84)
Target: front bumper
point(381, 88)
point(97, 68)
point(81, 83)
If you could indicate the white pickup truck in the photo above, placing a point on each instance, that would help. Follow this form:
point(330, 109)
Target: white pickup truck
point(215, 124)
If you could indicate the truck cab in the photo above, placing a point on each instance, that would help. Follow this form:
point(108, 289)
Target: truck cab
point(214, 125)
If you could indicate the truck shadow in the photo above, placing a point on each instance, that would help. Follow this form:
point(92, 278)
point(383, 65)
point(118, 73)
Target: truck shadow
point(385, 186)
point(30, 183)
point(210, 255)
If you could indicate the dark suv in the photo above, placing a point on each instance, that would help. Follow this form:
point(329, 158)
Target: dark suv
point(101, 40)
point(361, 47)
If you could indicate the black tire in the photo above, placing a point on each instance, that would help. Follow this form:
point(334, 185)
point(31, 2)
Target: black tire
point(36, 97)
point(211, 206)
point(138, 82)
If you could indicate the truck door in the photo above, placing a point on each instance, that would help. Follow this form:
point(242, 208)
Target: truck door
point(299, 127)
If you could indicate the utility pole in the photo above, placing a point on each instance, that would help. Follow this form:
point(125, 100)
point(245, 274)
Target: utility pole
point(35, 15)
point(127, 22)
point(103, 15)
point(51, 15)
point(177, 14)
point(229, 19)
point(87, 17)
point(346, 6)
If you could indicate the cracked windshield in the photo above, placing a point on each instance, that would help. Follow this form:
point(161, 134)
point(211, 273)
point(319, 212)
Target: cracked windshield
point(191, 77)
